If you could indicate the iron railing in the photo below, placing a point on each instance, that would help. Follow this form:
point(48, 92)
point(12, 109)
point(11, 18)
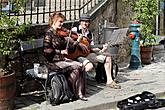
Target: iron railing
point(38, 11)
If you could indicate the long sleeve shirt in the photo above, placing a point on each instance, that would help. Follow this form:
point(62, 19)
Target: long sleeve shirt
point(53, 44)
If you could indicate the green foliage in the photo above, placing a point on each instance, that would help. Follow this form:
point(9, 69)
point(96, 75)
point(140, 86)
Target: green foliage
point(10, 33)
point(146, 11)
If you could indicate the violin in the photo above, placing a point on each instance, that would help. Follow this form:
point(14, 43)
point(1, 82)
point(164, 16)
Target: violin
point(64, 33)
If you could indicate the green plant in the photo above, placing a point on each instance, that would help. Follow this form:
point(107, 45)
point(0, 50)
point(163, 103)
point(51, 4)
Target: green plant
point(10, 33)
point(145, 11)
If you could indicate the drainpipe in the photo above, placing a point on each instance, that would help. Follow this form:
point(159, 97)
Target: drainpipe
point(158, 20)
point(164, 16)
point(116, 7)
point(116, 1)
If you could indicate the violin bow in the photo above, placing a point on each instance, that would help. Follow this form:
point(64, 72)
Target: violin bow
point(67, 45)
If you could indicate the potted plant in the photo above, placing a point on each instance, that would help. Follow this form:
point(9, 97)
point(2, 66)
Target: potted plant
point(145, 12)
point(9, 37)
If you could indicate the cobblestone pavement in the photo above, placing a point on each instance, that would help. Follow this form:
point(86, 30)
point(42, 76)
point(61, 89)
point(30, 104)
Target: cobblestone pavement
point(149, 78)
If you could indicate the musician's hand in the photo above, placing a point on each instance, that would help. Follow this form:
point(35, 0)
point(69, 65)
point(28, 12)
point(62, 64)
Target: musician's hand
point(64, 52)
point(105, 47)
point(84, 48)
point(96, 49)
point(80, 37)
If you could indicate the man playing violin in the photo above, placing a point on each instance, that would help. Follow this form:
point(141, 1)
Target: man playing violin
point(54, 50)
point(94, 56)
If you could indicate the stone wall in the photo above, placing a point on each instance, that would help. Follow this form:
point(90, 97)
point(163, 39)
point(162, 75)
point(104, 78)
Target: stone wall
point(107, 12)
point(117, 14)
point(124, 14)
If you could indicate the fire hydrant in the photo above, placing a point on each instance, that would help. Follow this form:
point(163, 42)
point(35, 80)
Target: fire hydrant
point(135, 61)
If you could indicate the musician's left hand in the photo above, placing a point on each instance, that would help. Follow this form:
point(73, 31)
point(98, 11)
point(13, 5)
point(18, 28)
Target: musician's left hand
point(80, 37)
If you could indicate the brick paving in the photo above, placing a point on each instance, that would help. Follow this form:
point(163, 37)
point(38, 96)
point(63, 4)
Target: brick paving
point(149, 78)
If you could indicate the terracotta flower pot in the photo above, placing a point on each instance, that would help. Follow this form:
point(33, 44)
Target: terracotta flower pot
point(7, 91)
point(146, 54)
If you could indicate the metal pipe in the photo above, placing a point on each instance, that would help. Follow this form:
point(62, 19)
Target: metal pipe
point(158, 20)
point(164, 17)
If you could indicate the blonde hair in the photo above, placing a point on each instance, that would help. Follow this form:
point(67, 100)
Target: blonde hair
point(54, 16)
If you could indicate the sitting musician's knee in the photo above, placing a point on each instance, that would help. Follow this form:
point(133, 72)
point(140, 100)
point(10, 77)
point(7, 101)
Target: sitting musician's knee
point(108, 60)
point(88, 65)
